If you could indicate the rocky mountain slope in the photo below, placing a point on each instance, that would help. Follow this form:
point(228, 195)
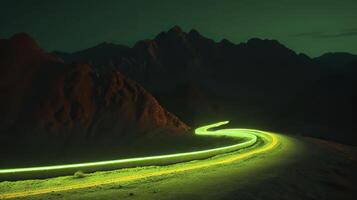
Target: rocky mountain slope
point(44, 100)
point(260, 83)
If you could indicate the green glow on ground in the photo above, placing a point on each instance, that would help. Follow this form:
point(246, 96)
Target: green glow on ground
point(258, 142)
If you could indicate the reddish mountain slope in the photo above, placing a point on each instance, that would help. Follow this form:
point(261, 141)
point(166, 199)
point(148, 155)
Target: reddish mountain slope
point(44, 98)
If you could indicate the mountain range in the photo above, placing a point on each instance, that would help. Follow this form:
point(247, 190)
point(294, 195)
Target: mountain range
point(259, 83)
point(109, 93)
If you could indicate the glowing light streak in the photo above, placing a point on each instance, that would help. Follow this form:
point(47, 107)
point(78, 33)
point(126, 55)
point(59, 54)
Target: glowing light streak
point(270, 141)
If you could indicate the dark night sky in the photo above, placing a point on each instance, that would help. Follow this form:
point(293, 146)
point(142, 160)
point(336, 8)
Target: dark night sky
point(310, 26)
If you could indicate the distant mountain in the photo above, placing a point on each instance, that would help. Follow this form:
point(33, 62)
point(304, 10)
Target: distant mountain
point(260, 83)
point(338, 59)
point(45, 101)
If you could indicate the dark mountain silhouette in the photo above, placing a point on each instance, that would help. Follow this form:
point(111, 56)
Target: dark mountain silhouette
point(260, 83)
point(338, 59)
point(45, 101)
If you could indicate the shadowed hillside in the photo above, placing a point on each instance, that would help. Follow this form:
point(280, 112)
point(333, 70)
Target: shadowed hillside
point(260, 83)
point(47, 105)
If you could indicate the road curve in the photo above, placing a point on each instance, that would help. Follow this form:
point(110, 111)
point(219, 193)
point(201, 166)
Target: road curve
point(256, 142)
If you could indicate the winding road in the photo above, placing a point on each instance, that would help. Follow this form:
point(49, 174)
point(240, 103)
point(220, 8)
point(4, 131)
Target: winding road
point(254, 143)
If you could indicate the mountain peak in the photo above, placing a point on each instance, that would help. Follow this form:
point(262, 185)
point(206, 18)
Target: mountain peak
point(24, 40)
point(194, 33)
point(174, 33)
point(176, 29)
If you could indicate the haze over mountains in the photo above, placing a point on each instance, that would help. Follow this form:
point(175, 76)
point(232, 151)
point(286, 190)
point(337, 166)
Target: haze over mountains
point(259, 84)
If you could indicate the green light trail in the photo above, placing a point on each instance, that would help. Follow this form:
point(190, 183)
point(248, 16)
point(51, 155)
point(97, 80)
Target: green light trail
point(269, 141)
point(57, 170)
